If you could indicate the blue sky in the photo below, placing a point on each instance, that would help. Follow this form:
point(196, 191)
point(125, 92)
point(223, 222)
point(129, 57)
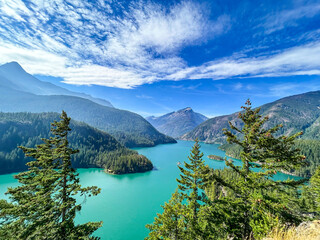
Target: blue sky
point(153, 57)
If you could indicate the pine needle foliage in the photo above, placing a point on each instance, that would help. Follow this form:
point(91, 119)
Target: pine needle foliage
point(171, 224)
point(44, 206)
point(260, 200)
point(187, 202)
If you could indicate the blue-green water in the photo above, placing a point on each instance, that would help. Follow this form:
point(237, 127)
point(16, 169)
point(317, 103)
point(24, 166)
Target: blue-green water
point(128, 202)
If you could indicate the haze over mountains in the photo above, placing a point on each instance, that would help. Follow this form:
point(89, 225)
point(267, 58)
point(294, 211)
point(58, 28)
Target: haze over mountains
point(175, 124)
point(296, 113)
point(21, 92)
point(12, 75)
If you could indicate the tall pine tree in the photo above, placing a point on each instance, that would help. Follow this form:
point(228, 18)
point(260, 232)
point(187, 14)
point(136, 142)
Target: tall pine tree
point(43, 206)
point(263, 201)
point(192, 184)
point(180, 219)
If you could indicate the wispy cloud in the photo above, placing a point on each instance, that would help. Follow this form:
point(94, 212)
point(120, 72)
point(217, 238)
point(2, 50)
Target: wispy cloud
point(85, 43)
point(127, 44)
point(289, 17)
point(303, 60)
point(280, 90)
point(143, 96)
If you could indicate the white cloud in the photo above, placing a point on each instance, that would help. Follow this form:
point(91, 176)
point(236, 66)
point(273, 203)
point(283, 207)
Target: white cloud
point(86, 43)
point(15, 9)
point(303, 60)
point(280, 90)
point(280, 20)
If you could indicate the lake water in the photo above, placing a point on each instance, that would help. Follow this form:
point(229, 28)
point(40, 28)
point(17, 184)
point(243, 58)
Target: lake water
point(128, 202)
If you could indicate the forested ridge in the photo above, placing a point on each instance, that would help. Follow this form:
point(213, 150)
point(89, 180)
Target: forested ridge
point(309, 148)
point(296, 113)
point(96, 148)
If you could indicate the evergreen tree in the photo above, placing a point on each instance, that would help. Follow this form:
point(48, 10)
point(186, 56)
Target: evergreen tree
point(171, 223)
point(311, 193)
point(263, 201)
point(192, 184)
point(32, 213)
point(184, 223)
point(43, 206)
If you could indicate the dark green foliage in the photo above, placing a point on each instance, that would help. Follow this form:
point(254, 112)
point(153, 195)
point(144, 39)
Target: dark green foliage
point(43, 205)
point(181, 218)
point(192, 182)
point(231, 150)
point(315, 188)
point(255, 194)
point(309, 148)
point(242, 202)
point(96, 148)
point(311, 196)
point(171, 224)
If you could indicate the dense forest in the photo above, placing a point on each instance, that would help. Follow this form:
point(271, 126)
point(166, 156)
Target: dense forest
point(309, 148)
point(96, 148)
point(238, 202)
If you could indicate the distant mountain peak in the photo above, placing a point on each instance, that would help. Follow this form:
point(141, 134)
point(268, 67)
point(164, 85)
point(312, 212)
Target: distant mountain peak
point(187, 109)
point(13, 75)
point(12, 65)
point(177, 123)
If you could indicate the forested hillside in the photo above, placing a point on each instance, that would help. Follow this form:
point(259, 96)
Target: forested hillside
point(296, 113)
point(96, 148)
point(309, 148)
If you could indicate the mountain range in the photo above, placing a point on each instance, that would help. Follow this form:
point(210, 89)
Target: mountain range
point(296, 113)
point(21, 92)
point(12, 75)
point(175, 124)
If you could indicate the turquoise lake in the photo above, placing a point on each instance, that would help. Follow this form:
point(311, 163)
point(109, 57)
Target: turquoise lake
point(128, 202)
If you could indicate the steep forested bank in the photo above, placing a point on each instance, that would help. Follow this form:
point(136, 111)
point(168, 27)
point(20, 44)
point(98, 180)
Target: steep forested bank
point(309, 148)
point(96, 148)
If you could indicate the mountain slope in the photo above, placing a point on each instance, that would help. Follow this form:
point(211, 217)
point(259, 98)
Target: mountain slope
point(296, 113)
point(97, 148)
point(129, 128)
point(175, 124)
point(13, 75)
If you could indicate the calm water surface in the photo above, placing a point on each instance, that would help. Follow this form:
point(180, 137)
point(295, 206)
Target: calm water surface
point(128, 202)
